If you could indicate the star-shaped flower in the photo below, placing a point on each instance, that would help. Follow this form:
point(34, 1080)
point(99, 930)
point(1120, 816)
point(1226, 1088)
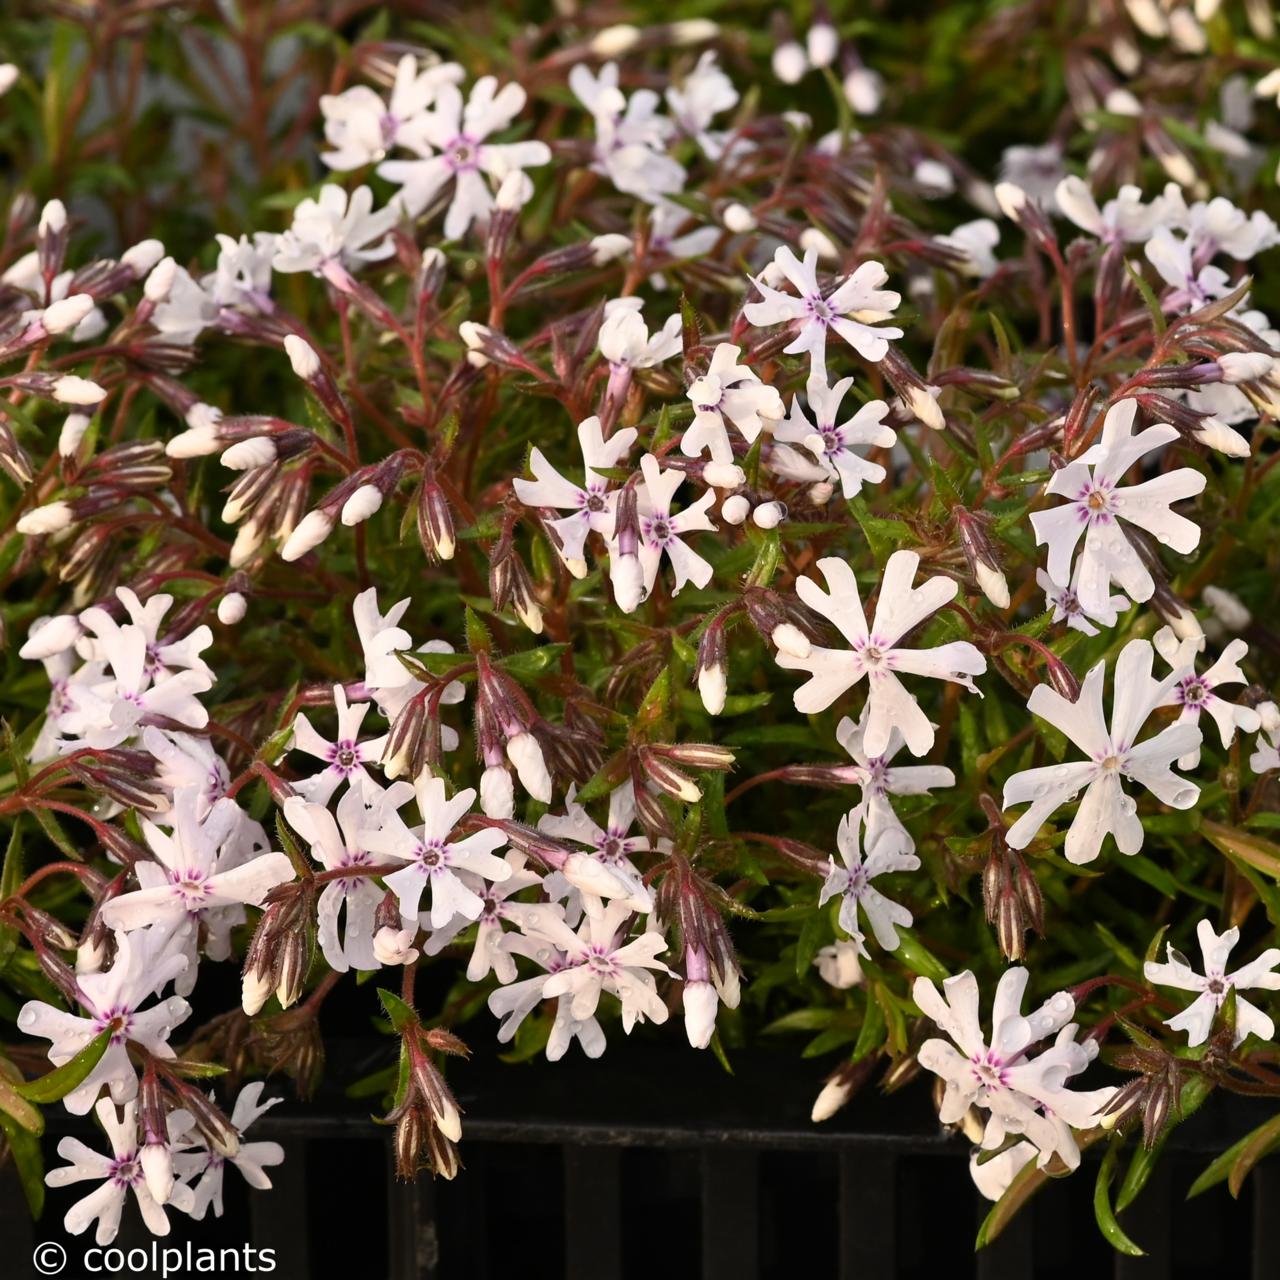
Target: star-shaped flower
point(591, 503)
point(345, 758)
point(1097, 501)
point(452, 140)
point(1114, 754)
point(1216, 983)
point(831, 441)
point(852, 309)
point(879, 779)
point(1195, 694)
point(853, 883)
point(875, 652)
point(1026, 1094)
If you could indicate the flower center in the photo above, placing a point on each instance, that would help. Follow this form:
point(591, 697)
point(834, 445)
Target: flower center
point(431, 857)
point(462, 153)
point(127, 1170)
point(189, 885)
point(1194, 691)
point(1096, 502)
point(988, 1070)
point(659, 531)
point(877, 775)
point(118, 1022)
point(819, 309)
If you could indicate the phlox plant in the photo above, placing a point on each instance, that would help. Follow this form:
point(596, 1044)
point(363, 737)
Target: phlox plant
point(765, 531)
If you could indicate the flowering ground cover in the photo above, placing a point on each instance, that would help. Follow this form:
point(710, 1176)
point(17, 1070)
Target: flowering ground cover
point(763, 523)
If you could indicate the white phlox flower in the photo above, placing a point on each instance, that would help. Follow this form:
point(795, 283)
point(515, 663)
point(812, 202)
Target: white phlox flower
point(832, 442)
point(852, 884)
point(1097, 501)
point(1025, 1093)
point(1214, 985)
point(1114, 754)
point(875, 652)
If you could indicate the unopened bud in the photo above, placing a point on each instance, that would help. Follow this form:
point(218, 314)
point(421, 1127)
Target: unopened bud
point(302, 356)
point(231, 609)
point(768, 515)
point(60, 317)
point(313, 529)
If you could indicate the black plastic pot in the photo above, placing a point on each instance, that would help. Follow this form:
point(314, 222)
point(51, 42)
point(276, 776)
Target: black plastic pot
point(653, 1161)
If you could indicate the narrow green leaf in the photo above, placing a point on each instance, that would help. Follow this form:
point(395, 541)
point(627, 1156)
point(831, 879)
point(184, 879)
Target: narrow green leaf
point(1103, 1211)
point(401, 1014)
point(24, 1149)
point(55, 1086)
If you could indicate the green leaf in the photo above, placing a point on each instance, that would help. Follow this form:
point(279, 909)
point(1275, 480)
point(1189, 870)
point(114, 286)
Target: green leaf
point(1254, 850)
point(1140, 1169)
point(812, 933)
point(479, 638)
point(1103, 1211)
point(717, 1047)
point(529, 663)
point(871, 1033)
point(24, 1148)
point(1025, 1184)
point(58, 1083)
point(1259, 1143)
point(918, 958)
point(1153, 304)
point(401, 1014)
point(10, 880)
point(53, 829)
point(14, 1105)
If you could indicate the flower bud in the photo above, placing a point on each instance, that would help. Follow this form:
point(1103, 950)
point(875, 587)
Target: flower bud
point(833, 1095)
point(628, 581)
point(49, 636)
point(789, 639)
point(140, 258)
point(53, 517)
point(526, 755)
point(160, 280)
point(723, 475)
point(1216, 435)
point(768, 515)
point(735, 509)
point(362, 504)
point(738, 219)
point(700, 1007)
point(435, 522)
point(245, 455)
point(302, 356)
point(790, 62)
point(70, 389)
point(231, 608)
point(394, 946)
point(822, 43)
point(497, 793)
point(613, 42)
point(1245, 366)
point(314, 528)
point(60, 317)
point(608, 248)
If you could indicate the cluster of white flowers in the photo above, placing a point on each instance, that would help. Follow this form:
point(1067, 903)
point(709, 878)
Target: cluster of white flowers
point(125, 702)
point(402, 863)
